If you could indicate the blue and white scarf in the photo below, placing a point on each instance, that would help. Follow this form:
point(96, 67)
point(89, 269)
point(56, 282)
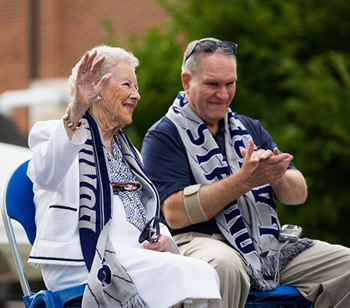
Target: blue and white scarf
point(250, 223)
point(108, 284)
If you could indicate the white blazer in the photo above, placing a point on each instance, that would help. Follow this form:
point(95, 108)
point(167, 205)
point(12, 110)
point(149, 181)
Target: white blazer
point(54, 171)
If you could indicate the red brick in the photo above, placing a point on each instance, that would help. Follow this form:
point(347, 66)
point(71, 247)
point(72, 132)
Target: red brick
point(65, 30)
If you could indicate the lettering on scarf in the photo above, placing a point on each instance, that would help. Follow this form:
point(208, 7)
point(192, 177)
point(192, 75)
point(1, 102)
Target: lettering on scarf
point(236, 226)
point(88, 192)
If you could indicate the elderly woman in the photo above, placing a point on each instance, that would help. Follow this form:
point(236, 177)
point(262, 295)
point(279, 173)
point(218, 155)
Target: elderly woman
point(96, 210)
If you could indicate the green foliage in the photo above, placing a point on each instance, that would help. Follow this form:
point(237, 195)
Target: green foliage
point(317, 111)
point(158, 77)
point(294, 76)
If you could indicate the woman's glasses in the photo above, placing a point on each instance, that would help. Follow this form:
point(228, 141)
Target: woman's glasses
point(209, 46)
point(151, 231)
point(125, 186)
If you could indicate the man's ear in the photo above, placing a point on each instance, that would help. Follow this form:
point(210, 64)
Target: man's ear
point(186, 78)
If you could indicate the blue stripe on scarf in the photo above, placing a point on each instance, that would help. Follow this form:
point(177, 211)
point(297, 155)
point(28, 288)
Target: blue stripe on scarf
point(102, 192)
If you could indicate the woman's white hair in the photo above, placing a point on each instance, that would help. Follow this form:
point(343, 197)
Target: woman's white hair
point(113, 56)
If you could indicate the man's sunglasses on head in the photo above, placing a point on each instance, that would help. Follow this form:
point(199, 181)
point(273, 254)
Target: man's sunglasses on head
point(210, 46)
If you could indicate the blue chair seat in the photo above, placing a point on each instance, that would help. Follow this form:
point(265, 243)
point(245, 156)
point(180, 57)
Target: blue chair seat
point(282, 296)
point(57, 298)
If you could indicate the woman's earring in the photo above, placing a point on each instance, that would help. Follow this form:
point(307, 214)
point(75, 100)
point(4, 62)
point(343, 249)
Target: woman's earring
point(99, 98)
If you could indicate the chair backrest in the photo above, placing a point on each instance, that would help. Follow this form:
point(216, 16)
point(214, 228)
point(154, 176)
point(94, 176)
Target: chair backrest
point(18, 200)
point(18, 204)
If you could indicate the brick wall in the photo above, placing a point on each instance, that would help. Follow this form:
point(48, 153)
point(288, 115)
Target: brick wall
point(13, 44)
point(46, 42)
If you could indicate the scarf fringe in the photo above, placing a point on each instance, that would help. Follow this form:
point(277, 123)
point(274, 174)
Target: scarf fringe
point(258, 281)
point(269, 265)
point(135, 302)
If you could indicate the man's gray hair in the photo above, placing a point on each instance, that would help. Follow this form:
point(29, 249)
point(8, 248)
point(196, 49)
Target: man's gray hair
point(113, 56)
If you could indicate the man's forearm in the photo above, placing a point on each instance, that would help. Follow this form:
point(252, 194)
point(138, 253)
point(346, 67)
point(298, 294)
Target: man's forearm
point(213, 198)
point(291, 189)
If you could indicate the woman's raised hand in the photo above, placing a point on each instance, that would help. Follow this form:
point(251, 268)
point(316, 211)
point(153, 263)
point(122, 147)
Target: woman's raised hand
point(86, 89)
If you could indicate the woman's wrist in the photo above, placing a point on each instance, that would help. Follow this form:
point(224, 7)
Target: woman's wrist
point(70, 123)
